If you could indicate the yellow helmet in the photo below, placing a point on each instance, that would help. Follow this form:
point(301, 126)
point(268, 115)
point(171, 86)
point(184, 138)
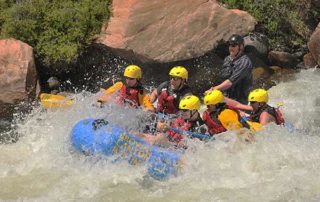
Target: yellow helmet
point(258, 95)
point(190, 102)
point(213, 98)
point(179, 71)
point(133, 71)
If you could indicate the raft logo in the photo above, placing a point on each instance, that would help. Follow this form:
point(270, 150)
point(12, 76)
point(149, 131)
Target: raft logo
point(128, 148)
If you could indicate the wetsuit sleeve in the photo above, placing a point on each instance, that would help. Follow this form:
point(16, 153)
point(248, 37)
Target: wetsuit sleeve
point(145, 101)
point(242, 68)
point(108, 92)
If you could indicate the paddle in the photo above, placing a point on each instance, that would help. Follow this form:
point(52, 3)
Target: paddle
point(51, 101)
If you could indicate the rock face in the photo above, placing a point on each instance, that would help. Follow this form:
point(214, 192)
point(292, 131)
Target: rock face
point(166, 31)
point(283, 59)
point(309, 61)
point(257, 45)
point(314, 45)
point(18, 75)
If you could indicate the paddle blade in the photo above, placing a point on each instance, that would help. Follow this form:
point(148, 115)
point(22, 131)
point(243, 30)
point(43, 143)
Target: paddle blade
point(50, 101)
point(255, 126)
point(229, 119)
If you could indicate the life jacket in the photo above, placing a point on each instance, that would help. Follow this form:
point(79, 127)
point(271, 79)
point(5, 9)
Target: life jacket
point(214, 124)
point(168, 100)
point(166, 103)
point(183, 125)
point(275, 112)
point(130, 95)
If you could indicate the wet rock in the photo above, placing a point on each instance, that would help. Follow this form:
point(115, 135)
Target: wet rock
point(53, 82)
point(282, 74)
point(257, 45)
point(262, 73)
point(283, 59)
point(314, 45)
point(316, 3)
point(309, 61)
point(18, 76)
point(260, 77)
point(167, 31)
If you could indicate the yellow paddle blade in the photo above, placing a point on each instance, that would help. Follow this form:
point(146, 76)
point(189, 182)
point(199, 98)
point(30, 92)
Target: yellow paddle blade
point(279, 104)
point(229, 119)
point(255, 126)
point(50, 101)
point(108, 92)
point(117, 86)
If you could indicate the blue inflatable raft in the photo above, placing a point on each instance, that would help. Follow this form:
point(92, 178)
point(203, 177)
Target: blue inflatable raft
point(97, 136)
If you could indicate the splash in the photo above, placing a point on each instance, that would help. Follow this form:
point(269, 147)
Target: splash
point(279, 166)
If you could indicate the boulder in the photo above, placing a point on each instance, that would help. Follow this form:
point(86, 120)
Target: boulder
point(18, 75)
point(167, 31)
point(257, 45)
point(314, 45)
point(283, 59)
point(316, 3)
point(309, 61)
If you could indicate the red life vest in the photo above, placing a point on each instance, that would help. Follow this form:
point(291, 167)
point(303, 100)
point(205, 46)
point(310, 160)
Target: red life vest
point(129, 95)
point(279, 116)
point(214, 126)
point(181, 124)
point(166, 103)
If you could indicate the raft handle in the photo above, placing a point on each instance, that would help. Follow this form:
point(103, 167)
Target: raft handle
point(98, 123)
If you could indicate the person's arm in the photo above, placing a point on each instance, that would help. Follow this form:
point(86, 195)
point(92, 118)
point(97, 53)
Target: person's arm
point(242, 68)
point(265, 118)
point(156, 91)
point(223, 86)
point(237, 104)
point(154, 95)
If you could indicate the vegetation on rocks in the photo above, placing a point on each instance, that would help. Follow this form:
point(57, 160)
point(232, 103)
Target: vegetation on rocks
point(57, 30)
point(287, 23)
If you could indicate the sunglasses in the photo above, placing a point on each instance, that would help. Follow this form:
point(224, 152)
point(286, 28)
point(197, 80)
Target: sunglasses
point(252, 102)
point(127, 78)
point(175, 78)
point(184, 110)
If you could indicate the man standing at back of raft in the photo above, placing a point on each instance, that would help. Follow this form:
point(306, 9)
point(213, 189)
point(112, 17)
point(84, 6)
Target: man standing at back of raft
point(236, 72)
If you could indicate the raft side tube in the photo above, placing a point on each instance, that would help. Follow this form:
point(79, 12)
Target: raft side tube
point(109, 140)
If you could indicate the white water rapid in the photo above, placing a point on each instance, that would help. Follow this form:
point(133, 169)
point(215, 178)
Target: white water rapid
point(279, 166)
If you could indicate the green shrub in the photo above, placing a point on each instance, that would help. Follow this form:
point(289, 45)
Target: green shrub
point(58, 30)
point(285, 22)
point(4, 5)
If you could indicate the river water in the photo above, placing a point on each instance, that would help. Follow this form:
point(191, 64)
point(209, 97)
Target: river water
point(279, 166)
